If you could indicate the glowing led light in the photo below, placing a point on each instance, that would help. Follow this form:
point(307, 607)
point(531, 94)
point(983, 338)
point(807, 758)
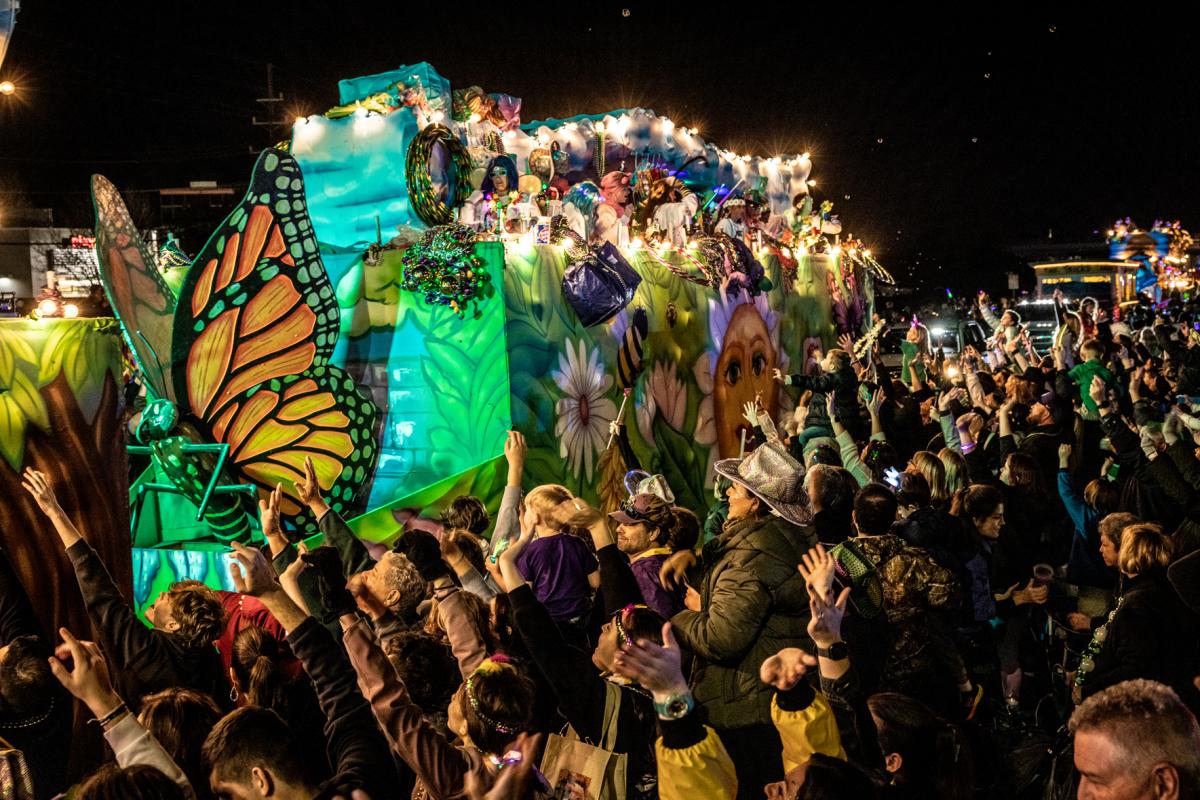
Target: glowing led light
point(301, 119)
point(70, 311)
point(7, 87)
point(47, 308)
point(804, 156)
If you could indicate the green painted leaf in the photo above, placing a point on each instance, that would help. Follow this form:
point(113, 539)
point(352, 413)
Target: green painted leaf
point(24, 393)
point(12, 432)
point(59, 349)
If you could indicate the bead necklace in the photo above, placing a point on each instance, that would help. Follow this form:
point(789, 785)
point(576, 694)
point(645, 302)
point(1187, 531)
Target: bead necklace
point(1087, 661)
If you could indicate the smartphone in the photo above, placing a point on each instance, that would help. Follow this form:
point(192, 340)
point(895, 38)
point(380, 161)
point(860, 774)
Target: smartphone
point(1184, 402)
point(891, 476)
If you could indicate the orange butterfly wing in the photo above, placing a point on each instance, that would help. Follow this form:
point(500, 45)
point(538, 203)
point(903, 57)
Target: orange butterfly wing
point(255, 327)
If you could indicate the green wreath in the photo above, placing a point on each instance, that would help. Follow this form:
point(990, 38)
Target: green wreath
point(421, 194)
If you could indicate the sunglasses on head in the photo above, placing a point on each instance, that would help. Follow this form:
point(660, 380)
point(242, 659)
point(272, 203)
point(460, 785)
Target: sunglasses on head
point(629, 508)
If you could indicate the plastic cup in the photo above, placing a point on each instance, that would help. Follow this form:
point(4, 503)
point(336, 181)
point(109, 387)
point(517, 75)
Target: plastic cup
point(1043, 574)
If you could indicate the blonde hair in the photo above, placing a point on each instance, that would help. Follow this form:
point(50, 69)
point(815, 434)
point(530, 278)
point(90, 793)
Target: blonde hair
point(547, 500)
point(957, 472)
point(1091, 348)
point(931, 467)
point(1144, 547)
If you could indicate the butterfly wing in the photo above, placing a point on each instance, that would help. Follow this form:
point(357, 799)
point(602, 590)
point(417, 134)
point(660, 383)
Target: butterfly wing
point(139, 295)
point(255, 327)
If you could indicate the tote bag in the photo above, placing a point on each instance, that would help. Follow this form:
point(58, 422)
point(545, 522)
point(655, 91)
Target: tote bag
point(577, 770)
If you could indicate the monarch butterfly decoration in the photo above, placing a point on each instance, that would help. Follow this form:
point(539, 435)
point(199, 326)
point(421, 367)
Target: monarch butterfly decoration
point(236, 368)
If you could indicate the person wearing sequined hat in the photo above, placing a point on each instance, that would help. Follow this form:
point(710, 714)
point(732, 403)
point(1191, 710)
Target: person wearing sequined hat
point(745, 602)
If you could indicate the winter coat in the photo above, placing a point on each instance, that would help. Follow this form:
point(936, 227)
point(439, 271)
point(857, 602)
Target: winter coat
point(1152, 636)
point(753, 604)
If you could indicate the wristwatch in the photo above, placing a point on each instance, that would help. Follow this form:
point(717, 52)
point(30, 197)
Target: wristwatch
point(675, 707)
point(835, 652)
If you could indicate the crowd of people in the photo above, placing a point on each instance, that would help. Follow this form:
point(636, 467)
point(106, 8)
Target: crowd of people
point(976, 578)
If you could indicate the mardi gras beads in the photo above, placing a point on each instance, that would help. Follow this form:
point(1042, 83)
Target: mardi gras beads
point(421, 193)
point(444, 269)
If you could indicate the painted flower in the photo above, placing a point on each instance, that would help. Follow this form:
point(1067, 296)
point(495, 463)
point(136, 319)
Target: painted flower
point(645, 408)
point(584, 413)
point(668, 393)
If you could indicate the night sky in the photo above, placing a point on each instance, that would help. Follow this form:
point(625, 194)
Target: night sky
point(941, 138)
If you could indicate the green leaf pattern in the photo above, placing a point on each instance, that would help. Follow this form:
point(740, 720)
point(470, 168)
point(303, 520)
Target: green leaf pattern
point(33, 355)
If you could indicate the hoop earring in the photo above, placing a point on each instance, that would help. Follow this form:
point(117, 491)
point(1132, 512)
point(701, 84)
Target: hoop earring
point(233, 695)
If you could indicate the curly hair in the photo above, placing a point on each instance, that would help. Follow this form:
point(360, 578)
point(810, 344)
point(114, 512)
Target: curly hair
point(427, 667)
point(402, 577)
point(198, 611)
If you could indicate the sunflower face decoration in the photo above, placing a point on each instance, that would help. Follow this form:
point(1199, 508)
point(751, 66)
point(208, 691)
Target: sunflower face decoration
point(743, 373)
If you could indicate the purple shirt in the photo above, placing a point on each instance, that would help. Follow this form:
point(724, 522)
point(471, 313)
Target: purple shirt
point(645, 570)
point(557, 567)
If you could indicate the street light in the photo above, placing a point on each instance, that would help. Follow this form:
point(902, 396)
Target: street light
point(7, 87)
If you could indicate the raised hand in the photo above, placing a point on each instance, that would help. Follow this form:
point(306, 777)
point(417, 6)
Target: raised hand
point(785, 669)
point(674, 570)
point(655, 667)
point(778, 375)
point(846, 342)
point(1097, 390)
point(515, 450)
point(38, 486)
point(825, 623)
point(268, 511)
point(1064, 456)
point(948, 398)
point(88, 678)
point(308, 489)
point(250, 571)
point(877, 400)
point(750, 413)
point(818, 569)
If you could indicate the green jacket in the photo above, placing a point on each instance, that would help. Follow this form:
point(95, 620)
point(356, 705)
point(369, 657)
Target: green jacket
point(753, 605)
point(1083, 373)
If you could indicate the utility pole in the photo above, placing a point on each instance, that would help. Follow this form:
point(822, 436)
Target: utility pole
point(271, 109)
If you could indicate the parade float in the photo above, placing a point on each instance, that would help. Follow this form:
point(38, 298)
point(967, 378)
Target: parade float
point(413, 274)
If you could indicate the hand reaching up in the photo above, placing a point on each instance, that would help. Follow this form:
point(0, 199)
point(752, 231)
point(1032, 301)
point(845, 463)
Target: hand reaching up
point(785, 669)
point(251, 573)
point(39, 488)
point(88, 678)
point(818, 568)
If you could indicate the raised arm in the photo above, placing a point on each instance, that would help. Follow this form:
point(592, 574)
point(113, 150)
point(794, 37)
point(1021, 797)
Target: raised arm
point(88, 680)
point(129, 643)
point(507, 522)
point(441, 767)
point(338, 535)
point(356, 747)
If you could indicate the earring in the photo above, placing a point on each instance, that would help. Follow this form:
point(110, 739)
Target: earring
point(233, 695)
